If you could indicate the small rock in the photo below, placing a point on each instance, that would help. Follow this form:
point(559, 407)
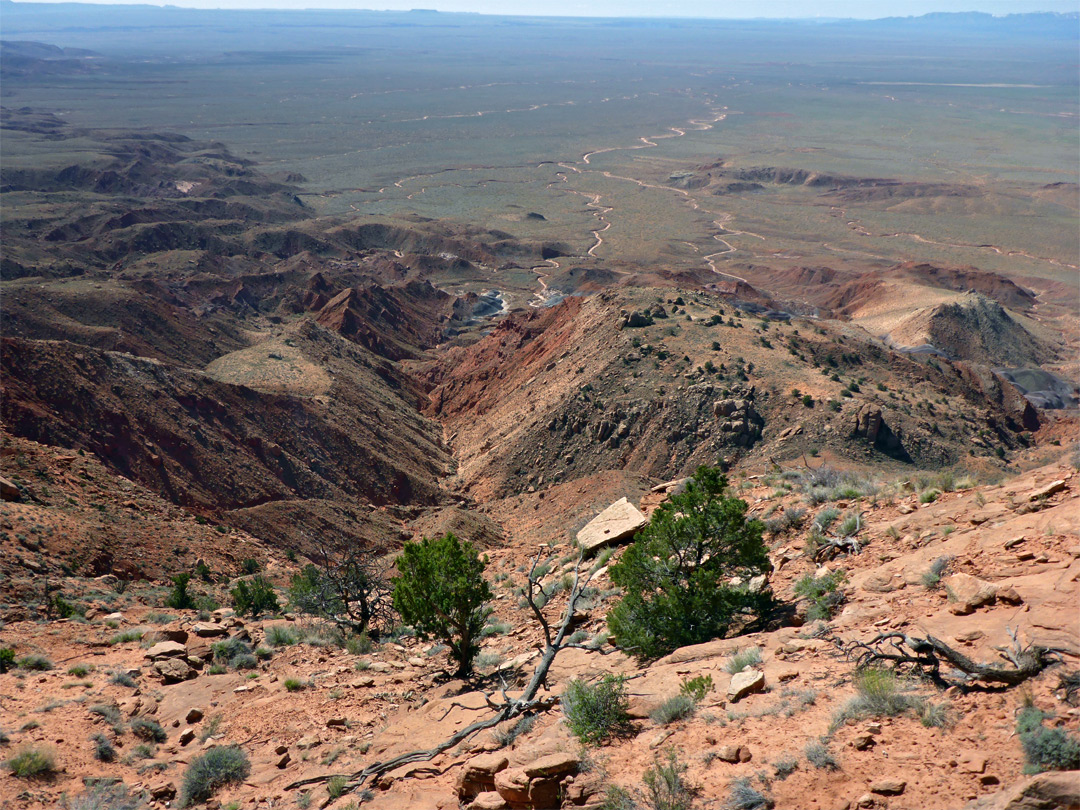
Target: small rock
point(281, 749)
point(989, 779)
point(310, 741)
point(866, 800)
point(744, 683)
point(194, 715)
point(972, 762)
point(888, 787)
point(905, 509)
point(283, 761)
point(162, 791)
point(187, 735)
point(862, 742)
point(488, 800)
point(1009, 596)
point(336, 722)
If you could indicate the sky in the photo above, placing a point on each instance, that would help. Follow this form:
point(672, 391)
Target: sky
point(730, 9)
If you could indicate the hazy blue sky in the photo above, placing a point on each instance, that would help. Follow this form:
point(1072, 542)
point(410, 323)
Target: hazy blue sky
point(657, 8)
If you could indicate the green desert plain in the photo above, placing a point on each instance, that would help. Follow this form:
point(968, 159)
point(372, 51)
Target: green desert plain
point(671, 143)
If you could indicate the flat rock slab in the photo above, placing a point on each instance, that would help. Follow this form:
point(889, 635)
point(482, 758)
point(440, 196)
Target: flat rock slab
point(167, 649)
point(617, 523)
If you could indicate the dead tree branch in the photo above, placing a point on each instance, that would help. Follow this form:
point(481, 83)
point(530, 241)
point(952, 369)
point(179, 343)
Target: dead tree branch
point(925, 656)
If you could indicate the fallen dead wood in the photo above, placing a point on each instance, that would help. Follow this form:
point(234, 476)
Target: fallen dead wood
point(925, 657)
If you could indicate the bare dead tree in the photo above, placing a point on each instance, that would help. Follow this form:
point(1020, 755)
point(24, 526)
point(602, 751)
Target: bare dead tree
point(830, 546)
point(506, 708)
point(925, 657)
point(349, 586)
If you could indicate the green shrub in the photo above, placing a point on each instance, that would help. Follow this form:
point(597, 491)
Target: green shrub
point(211, 771)
point(675, 575)
point(179, 598)
point(929, 496)
point(103, 748)
point(674, 708)
point(7, 659)
point(280, 635)
point(149, 730)
point(235, 653)
point(597, 711)
point(35, 663)
point(79, 670)
point(1045, 749)
point(62, 608)
point(441, 592)
point(335, 787)
point(750, 657)
point(254, 597)
point(249, 566)
point(31, 762)
point(697, 688)
point(823, 593)
point(294, 685)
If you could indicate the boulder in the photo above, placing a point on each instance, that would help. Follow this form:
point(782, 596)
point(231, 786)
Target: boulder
point(208, 629)
point(513, 785)
point(8, 491)
point(617, 523)
point(745, 683)
point(967, 593)
point(173, 670)
point(194, 715)
point(478, 775)
point(1046, 791)
point(553, 765)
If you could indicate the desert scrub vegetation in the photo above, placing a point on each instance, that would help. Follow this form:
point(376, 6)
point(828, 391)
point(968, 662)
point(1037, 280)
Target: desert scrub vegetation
point(670, 573)
point(103, 748)
point(818, 755)
point(105, 795)
point(234, 653)
point(664, 787)
point(596, 711)
point(743, 659)
point(823, 593)
point(32, 762)
point(211, 771)
point(35, 663)
point(677, 707)
point(1045, 749)
point(149, 730)
point(280, 635)
point(826, 484)
point(125, 636)
point(931, 579)
point(7, 659)
point(880, 692)
point(506, 736)
point(743, 796)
